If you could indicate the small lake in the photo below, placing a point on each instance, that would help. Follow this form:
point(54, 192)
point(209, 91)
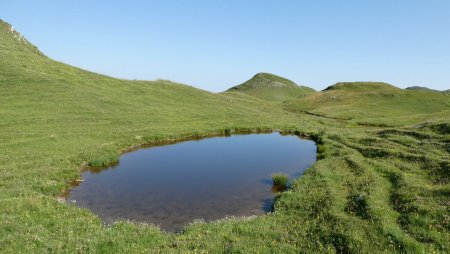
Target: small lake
point(173, 185)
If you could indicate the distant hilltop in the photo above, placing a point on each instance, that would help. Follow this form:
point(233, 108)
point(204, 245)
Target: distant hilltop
point(422, 88)
point(262, 79)
point(271, 87)
point(361, 86)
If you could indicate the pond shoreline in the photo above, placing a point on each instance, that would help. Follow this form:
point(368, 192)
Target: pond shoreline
point(209, 180)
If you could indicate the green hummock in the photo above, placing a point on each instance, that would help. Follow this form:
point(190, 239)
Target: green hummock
point(280, 179)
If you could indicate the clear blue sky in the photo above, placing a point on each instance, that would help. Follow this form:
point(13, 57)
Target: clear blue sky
point(217, 44)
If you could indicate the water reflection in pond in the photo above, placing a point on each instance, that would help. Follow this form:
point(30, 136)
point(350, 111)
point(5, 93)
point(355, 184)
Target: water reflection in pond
point(208, 179)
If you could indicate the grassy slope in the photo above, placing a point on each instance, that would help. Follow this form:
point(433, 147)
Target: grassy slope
point(422, 88)
point(368, 102)
point(374, 190)
point(272, 88)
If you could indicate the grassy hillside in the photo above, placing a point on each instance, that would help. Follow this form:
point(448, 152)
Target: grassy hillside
point(362, 87)
point(272, 88)
point(373, 190)
point(421, 88)
point(370, 102)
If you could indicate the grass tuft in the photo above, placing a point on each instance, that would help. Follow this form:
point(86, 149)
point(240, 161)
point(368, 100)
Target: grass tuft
point(280, 179)
point(104, 161)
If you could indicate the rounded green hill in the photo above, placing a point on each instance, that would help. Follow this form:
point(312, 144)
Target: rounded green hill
point(271, 87)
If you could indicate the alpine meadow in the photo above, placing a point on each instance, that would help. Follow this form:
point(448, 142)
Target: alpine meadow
point(380, 183)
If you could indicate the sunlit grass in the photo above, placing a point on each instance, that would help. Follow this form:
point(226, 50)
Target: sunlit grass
point(375, 189)
point(280, 179)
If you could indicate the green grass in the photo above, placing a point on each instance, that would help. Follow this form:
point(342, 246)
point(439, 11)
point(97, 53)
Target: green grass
point(369, 103)
point(280, 179)
point(104, 161)
point(422, 88)
point(375, 189)
point(271, 88)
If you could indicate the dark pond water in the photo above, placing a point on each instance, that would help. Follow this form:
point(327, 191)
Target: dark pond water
point(208, 179)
